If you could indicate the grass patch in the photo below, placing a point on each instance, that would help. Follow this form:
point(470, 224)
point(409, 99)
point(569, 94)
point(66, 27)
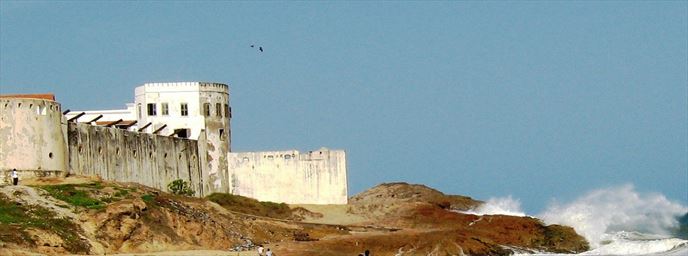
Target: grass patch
point(148, 198)
point(16, 218)
point(251, 206)
point(91, 196)
point(76, 194)
point(10, 213)
point(121, 192)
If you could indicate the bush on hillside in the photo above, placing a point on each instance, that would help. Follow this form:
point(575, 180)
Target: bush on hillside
point(180, 187)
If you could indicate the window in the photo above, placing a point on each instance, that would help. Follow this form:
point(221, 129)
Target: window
point(182, 133)
point(218, 109)
point(151, 109)
point(222, 134)
point(40, 110)
point(165, 109)
point(185, 109)
point(226, 110)
point(206, 109)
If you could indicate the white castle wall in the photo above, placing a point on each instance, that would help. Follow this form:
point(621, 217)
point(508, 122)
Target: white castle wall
point(316, 177)
point(31, 138)
point(148, 159)
point(35, 138)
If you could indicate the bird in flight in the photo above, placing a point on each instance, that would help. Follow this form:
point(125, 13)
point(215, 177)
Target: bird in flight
point(260, 48)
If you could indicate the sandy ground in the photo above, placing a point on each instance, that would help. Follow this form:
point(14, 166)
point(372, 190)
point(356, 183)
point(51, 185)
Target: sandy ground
point(72, 179)
point(332, 214)
point(192, 253)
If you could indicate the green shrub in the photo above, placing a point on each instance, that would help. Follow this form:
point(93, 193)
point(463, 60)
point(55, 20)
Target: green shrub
point(180, 187)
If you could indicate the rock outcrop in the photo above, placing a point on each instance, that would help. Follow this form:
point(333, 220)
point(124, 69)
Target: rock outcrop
point(405, 219)
point(95, 217)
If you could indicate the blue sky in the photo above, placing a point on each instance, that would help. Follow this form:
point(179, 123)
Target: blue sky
point(536, 100)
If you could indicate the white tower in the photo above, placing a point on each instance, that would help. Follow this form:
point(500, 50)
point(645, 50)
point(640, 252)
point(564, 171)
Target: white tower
point(32, 139)
point(190, 110)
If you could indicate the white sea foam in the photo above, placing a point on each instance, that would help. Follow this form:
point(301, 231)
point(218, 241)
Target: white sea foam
point(602, 214)
point(615, 221)
point(619, 244)
point(498, 206)
point(622, 246)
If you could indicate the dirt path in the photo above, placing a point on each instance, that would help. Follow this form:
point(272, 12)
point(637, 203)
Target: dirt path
point(170, 253)
point(191, 253)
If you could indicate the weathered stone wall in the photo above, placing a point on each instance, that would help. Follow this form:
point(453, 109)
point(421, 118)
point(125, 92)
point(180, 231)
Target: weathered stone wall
point(31, 138)
point(218, 135)
point(316, 177)
point(120, 155)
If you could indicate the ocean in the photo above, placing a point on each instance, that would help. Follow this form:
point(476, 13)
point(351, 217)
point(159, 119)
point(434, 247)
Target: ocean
point(614, 221)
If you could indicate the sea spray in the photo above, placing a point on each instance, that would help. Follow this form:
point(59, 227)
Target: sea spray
point(620, 220)
point(498, 206)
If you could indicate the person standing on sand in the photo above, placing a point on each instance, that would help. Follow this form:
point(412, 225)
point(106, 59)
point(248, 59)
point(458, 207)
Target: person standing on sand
point(15, 177)
point(268, 253)
point(260, 250)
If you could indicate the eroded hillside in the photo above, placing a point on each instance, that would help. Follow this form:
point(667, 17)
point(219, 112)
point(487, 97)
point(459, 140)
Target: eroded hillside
point(87, 216)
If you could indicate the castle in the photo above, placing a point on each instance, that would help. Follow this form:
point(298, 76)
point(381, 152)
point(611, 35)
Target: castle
point(172, 131)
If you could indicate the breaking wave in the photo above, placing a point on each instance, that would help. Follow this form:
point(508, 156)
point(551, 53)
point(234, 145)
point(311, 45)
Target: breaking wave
point(498, 206)
point(615, 221)
point(622, 221)
point(605, 212)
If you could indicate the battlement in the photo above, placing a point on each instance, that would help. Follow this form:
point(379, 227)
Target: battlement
point(44, 96)
point(183, 86)
point(38, 105)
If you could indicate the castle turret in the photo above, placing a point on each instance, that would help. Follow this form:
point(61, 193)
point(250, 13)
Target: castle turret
point(190, 110)
point(31, 136)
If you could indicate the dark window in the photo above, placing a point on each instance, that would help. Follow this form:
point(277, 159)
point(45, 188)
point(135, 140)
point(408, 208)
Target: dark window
point(218, 109)
point(226, 110)
point(182, 133)
point(151, 109)
point(206, 109)
point(222, 134)
point(185, 109)
point(165, 109)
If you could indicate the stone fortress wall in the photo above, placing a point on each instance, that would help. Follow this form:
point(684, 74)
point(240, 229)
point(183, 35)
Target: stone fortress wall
point(121, 155)
point(317, 177)
point(132, 154)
